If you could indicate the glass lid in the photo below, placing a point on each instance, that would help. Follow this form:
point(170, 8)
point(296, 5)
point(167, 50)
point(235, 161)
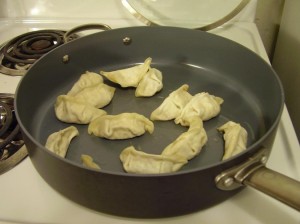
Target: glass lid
point(196, 14)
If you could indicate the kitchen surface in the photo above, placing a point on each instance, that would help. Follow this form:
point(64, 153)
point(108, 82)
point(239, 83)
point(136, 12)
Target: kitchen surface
point(27, 198)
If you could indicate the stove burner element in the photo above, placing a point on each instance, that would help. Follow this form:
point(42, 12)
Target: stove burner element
point(40, 44)
point(12, 148)
point(18, 54)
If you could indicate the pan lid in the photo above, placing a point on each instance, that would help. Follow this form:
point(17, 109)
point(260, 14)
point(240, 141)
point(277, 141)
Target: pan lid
point(201, 14)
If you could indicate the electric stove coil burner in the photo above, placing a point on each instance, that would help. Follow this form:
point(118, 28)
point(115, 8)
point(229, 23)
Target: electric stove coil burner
point(18, 54)
point(12, 148)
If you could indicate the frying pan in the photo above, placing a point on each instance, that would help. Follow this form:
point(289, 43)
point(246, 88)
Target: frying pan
point(253, 97)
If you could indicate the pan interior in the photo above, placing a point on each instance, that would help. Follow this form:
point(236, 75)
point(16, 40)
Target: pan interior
point(240, 105)
point(106, 152)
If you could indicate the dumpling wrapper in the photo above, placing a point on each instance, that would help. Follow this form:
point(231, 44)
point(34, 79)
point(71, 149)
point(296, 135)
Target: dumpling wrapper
point(204, 105)
point(190, 143)
point(128, 77)
point(172, 106)
point(89, 162)
point(87, 79)
point(150, 84)
point(121, 126)
point(235, 137)
point(98, 95)
point(58, 142)
point(143, 163)
point(69, 110)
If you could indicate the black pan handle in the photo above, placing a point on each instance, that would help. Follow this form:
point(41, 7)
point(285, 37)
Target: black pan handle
point(84, 27)
point(255, 174)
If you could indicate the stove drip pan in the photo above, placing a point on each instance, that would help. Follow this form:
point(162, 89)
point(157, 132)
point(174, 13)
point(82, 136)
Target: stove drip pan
point(12, 148)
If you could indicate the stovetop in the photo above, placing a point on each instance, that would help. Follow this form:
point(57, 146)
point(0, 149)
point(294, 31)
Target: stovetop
point(27, 198)
point(21, 52)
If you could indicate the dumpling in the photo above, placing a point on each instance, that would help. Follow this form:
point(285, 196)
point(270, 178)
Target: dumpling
point(143, 163)
point(190, 143)
point(121, 126)
point(150, 84)
point(128, 77)
point(90, 89)
point(204, 105)
point(98, 95)
point(69, 110)
point(58, 142)
point(172, 105)
point(235, 137)
point(89, 162)
point(87, 79)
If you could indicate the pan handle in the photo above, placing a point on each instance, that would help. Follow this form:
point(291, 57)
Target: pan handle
point(276, 185)
point(255, 174)
point(84, 27)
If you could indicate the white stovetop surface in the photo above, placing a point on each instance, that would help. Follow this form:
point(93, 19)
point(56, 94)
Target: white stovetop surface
point(27, 198)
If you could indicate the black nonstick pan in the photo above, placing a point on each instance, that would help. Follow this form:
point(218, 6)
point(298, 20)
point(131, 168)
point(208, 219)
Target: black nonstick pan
point(253, 97)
